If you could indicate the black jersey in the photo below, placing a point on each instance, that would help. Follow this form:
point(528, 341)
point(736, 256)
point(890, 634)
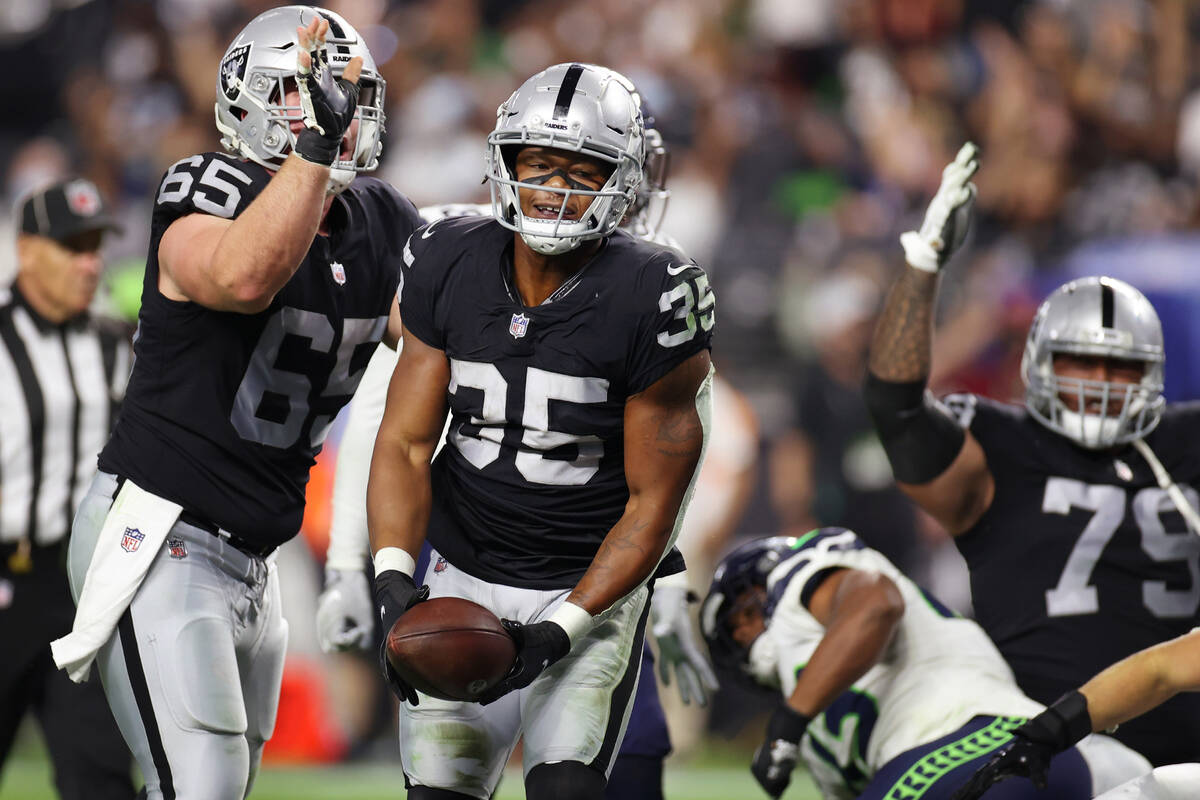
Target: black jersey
point(1082, 559)
point(225, 412)
point(533, 476)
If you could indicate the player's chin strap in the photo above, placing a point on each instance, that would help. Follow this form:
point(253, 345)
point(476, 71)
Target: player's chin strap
point(1167, 484)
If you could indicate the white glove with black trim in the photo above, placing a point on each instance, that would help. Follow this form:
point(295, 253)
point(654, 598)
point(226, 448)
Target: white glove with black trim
point(948, 215)
point(345, 612)
point(678, 650)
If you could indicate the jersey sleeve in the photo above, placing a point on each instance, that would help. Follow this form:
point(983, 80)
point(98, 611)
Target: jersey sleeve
point(398, 221)
point(209, 183)
point(1001, 429)
point(420, 283)
point(675, 316)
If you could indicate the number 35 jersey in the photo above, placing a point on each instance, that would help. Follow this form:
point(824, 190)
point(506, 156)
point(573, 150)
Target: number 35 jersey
point(533, 477)
point(1082, 559)
point(225, 412)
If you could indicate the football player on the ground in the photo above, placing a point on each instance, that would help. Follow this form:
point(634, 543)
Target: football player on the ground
point(1070, 525)
point(268, 284)
point(574, 361)
point(1123, 691)
point(887, 694)
point(345, 617)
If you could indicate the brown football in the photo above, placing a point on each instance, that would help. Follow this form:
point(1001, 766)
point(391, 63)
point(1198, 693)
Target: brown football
point(450, 648)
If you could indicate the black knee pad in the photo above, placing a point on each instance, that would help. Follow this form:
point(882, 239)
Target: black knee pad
point(564, 779)
point(430, 793)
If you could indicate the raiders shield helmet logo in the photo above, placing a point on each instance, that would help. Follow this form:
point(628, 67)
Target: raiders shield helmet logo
point(233, 70)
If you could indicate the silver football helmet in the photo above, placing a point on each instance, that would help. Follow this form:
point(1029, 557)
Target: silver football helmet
point(579, 107)
point(253, 81)
point(1095, 317)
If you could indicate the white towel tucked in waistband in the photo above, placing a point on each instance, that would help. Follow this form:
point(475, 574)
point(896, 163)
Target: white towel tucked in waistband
point(131, 537)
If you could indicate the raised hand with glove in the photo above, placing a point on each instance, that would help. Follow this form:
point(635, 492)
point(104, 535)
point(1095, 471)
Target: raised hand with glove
point(678, 650)
point(946, 220)
point(1034, 744)
point(328, 103)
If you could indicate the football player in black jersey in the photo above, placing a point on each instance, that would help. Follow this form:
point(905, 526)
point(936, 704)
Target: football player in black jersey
point(1070, 510)
point(573, 358)
point(269, 281)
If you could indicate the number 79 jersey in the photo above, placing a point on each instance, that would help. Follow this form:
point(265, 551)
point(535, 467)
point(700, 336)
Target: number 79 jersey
point(1082, 559)
point(532, 477)
point(225, 412)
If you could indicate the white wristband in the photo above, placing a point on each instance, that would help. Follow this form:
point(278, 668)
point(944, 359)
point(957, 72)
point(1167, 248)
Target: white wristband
point(394, 558)
point(573, 619)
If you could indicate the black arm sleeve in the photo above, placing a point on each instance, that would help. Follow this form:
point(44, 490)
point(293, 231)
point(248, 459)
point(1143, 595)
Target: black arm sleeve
point(918, 434)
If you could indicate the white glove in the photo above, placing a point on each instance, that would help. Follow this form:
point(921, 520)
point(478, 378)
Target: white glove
point(677, 646)
point(947, 217)
point(345, 611)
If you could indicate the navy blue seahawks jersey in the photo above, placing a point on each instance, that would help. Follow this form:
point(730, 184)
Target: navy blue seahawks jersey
point(533, 476)
point(1082, 559)
point(225, 412)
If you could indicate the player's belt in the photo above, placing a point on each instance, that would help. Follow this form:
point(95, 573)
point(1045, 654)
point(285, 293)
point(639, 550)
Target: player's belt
point(196, 521)
point(256, 550)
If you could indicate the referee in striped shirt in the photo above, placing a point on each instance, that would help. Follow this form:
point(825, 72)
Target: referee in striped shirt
point(62, 373)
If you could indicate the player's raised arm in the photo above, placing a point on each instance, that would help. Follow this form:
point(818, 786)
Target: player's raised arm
point(399, 492)
point(860, 611)
point(935, 462)
point(1125, 690)
point(240, 264)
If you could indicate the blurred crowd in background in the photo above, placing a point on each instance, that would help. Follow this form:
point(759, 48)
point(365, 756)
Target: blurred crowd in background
point(805, 135)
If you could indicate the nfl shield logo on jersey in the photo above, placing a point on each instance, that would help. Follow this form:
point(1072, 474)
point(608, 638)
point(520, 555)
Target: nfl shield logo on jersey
point(518, 326)
point(176, 548)
point(339, 272)
point(131, 540)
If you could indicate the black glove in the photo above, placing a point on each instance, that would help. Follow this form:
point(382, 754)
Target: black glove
point(396, 593)
point(776, 757)
point(1034, 744)
point(328, 105)
point(538, 646)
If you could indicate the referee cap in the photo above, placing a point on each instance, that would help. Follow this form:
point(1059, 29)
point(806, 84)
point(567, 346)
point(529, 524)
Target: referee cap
point(65, 209)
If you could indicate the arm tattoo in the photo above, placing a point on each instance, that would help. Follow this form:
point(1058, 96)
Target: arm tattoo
point(901, 349)
point(678, 433)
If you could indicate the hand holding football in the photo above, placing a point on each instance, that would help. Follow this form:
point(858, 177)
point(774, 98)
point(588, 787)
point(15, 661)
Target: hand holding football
point(450, 648)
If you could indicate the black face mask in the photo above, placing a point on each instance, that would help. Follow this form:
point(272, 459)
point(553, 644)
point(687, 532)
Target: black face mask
point(576, 185)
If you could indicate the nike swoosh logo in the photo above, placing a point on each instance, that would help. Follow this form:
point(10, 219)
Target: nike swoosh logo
point(425, 234)
point(678, 270)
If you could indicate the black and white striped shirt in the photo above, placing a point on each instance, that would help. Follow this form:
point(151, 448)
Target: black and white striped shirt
point(61, 387)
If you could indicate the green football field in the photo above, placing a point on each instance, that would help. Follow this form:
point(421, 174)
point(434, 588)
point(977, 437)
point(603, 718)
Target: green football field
point(27, 777)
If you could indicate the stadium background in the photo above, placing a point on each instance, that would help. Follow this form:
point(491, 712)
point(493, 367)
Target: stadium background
point(804, 136)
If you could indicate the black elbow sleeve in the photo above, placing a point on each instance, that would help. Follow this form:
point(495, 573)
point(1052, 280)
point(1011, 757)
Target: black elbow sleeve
point(918, 434)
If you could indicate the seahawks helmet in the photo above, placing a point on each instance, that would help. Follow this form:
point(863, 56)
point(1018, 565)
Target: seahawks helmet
point(744, 568)
point(1095, 317)
point(252, 84)
point(578, 107)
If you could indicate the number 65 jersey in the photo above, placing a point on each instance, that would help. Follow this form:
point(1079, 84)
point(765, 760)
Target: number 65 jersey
point(1082, 560)
point(533, 476)
point(225, 412)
